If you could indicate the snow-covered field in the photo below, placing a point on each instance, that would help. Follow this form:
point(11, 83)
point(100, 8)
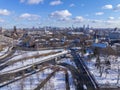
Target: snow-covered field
point(57, 82)
point(110, 74)
point(28, 62)
point(28, 83)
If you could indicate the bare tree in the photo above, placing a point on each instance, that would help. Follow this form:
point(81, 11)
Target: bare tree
point(106, 52)
point(118, 74)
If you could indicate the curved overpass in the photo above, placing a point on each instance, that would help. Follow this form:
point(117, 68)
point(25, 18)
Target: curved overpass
point(7, 55)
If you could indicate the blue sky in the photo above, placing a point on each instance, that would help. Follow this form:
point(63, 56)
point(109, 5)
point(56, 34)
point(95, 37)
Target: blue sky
point(61, 13)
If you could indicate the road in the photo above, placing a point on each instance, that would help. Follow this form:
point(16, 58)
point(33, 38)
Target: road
point(13, 77)
point(84, 73)
point(8, 63)
point(27, 72)
point(81, 76)
point(42, 60)
point(75, 75)
point(67, 81)
point(7, 55)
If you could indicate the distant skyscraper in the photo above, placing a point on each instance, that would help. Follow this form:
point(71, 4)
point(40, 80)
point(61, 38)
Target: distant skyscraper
point(14, 28)
point(87, 27)
point(45, 30)
point(83, 27)
point(0, 29)
point(115, 29)
point(72, 27)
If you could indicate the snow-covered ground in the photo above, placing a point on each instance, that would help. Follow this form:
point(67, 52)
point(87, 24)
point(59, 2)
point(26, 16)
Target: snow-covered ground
point(29, 62)
point(4, 51)
point(57, 82)
point(110, 74)
point(28, 83)
point(68, 61)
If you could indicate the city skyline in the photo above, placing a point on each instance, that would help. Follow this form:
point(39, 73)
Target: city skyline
point(60, 13)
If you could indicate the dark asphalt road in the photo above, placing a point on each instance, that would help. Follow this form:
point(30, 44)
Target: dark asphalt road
point(84, 74)
point(75, 74)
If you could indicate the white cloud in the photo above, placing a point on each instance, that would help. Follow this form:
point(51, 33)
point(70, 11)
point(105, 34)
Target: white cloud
point(110, 22)
point(99, 13)
point(1, 20)
point(111, 18)
point(25, 15)
point(32, 1)
point(78, 19)
point(4, 12)
point(65, 19)
point(35, 1)
point(22, 1)
point(57, 2)
point(72, 5)
point(96, 21)
point(117, 8)
point(28, 16)
point(107, 6)
point(61, 14)
point(104, 23)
